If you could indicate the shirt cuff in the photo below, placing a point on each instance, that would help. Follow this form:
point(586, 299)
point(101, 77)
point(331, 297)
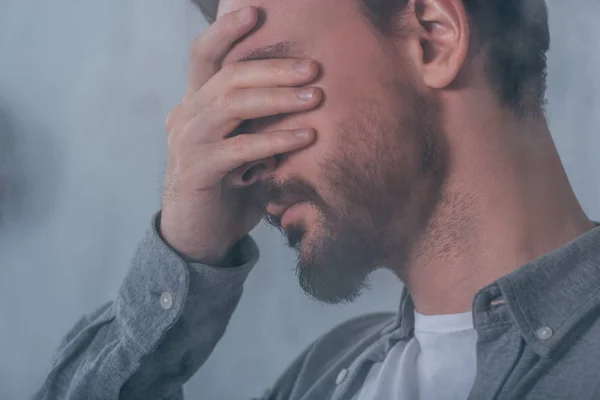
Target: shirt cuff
point(159, 283)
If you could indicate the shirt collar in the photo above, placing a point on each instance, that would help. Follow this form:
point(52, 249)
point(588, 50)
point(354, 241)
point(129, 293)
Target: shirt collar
point(549, 296)
point(546, 297)
point(404, 324)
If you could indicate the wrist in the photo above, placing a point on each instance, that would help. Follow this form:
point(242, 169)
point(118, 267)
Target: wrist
point(190, 252)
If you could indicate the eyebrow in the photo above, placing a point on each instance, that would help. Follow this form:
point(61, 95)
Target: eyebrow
point(281, 49)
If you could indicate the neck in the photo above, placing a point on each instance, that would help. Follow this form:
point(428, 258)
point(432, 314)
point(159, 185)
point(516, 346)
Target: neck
point(507, 201)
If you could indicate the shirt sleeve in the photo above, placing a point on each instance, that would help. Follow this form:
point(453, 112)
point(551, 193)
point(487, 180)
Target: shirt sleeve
point(165, 322)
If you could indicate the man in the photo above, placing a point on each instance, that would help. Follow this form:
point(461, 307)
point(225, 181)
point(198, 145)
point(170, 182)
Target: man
point(414, 138)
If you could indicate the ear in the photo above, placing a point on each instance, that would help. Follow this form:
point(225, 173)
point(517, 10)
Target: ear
point(444, 40)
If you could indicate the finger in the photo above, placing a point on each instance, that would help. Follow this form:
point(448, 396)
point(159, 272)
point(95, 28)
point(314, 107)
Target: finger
point(234, 152)
point(265, 73)
point(218, 120)
point(251, 74)
point(208, 50)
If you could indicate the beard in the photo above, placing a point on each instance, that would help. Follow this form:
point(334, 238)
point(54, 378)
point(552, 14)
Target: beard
point(384, 180)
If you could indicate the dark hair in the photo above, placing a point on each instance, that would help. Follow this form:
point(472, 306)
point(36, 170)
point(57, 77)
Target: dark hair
point(514, 32)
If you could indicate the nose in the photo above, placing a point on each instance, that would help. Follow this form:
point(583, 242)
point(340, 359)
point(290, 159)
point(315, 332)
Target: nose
point(251, 172)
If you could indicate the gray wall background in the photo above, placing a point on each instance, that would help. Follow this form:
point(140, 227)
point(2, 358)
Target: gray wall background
point(85, 87)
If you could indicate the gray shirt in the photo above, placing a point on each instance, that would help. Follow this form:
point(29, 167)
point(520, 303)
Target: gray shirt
point(538, 332)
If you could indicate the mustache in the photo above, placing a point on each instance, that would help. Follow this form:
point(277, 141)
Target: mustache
point(287, 192)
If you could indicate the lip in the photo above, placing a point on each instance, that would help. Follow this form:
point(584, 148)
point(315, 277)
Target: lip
point(278, 210)
point(291, 214)
point(284, 213)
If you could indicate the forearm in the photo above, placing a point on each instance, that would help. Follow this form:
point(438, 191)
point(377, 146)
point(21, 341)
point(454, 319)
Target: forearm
point(164, 324)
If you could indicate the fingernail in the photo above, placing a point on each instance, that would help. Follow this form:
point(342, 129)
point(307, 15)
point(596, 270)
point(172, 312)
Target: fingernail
point(302, 133)
point(302, 67)
point(306, 94)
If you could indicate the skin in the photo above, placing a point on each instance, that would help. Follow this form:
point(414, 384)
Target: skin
point(415, 166)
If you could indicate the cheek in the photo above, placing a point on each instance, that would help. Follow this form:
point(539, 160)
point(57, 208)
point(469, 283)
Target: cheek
point(340, 121)
point(324, 119)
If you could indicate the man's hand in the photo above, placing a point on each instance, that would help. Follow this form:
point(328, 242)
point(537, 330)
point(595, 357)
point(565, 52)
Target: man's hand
point(203, 213)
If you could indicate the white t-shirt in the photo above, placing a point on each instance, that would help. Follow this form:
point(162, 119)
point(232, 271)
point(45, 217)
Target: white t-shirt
point(438, 363)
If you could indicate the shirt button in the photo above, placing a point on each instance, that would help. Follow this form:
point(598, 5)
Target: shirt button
point(544, 333)
point(166, 300)
point(341, 376)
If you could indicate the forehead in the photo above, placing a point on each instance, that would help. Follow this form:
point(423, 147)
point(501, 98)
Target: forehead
point(306, 23)
point(281, 10)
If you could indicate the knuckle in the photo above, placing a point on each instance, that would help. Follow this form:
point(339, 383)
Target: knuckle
point(282, 101)
point(214, 154)
point(197, 50)
point(223, 101)
point(272, 141)
point(278, 140)
point(171, 140)
point(220, 150)
point(239, 144)
point(175, 145)
point(172, 119)
point(276, 67)
point(230, 70)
